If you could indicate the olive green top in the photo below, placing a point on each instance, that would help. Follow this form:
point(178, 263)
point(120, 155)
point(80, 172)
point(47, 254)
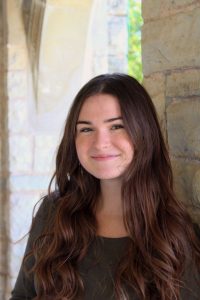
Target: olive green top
point(96, 269)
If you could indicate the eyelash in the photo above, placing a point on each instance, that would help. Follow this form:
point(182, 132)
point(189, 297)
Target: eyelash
point(117, 126)
point(85, 129)
point(113, 127)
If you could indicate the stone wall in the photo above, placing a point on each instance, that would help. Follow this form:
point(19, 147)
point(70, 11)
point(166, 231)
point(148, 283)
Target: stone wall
point(171, 66)
point(4, 230)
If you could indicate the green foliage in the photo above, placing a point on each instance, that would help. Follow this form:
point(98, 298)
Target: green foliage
point(134, 39)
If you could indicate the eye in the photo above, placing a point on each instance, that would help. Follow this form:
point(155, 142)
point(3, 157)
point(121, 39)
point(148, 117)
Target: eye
point(117, 126)
point(85, 129)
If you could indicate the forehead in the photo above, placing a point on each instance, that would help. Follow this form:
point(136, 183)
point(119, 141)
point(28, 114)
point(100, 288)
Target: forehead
point(100, 105)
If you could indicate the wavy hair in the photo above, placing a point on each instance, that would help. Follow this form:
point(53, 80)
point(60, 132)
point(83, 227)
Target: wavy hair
point(160, 230)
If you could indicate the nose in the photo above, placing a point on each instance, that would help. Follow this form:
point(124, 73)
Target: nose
point(101, 140)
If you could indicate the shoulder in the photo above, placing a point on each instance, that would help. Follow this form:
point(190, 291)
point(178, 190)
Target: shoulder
point(191, 289)
point(44, 214)
point(47, 205)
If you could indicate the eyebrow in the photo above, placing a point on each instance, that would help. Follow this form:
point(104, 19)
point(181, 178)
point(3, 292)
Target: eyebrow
point(105, 121)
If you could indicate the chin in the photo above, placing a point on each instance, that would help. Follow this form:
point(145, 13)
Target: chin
point(107, 176)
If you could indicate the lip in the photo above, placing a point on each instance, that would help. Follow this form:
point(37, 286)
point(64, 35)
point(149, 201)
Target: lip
point(104, 157)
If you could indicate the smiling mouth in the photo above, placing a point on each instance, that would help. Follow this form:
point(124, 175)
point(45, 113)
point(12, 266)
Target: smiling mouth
point(104, 157)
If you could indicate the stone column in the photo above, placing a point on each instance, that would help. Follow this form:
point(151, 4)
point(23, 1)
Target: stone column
point(3, 159)
point(171, 66)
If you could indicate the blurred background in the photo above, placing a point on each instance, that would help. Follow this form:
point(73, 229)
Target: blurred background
point(48, 50)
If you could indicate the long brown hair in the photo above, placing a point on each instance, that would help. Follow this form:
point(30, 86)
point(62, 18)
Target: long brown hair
point(162, 238)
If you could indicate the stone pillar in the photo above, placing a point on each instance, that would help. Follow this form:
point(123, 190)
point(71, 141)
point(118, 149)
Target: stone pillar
point(3, 160)
point(30, 155)
point(171, 66)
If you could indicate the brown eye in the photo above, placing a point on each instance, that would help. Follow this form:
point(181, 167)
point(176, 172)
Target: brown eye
point(117, 126)
point(85, 129)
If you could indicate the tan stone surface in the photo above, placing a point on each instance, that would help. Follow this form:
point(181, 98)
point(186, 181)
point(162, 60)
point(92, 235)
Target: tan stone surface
point(16, 32)
point(165, 7)
point(183, 124)
point(196, 186)
point(186, 175)
point(155, 86)
point(183, 83)
point(172, 42)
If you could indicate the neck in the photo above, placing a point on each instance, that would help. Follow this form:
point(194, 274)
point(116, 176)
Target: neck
point(110, 201)
point(109, 213)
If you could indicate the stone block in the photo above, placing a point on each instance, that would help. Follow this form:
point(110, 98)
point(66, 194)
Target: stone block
point(117, 7)
point(28, 183)
point(16, 32)
point(22, 205)
point(186, 174)
point(183, 83)
point(155, 86)
point(117, 35)
point(17, 116)
point(184, 128)
point(171, 43)
point(17, 57)
point(17, 84)
point(153, 9)
point(21, 154)
point(44, 154)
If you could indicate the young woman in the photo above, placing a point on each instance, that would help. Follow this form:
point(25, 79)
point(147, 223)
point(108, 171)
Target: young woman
point(113, 229)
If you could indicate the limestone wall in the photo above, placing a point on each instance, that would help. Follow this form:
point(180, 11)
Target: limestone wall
point(171, 66)
point(4, 229)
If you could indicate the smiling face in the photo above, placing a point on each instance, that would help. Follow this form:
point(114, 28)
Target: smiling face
point(103, 146)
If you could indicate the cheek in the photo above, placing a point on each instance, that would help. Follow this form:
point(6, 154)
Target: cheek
point(130, 151)
point(81, 148)
point(78, 148)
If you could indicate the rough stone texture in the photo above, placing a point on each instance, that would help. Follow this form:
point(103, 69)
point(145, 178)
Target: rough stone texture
point(183, 83)
point(183, 125)
point(172, 42)
point(155, 86)
point(162, 8)
point(187, 176)
point(171, 65)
